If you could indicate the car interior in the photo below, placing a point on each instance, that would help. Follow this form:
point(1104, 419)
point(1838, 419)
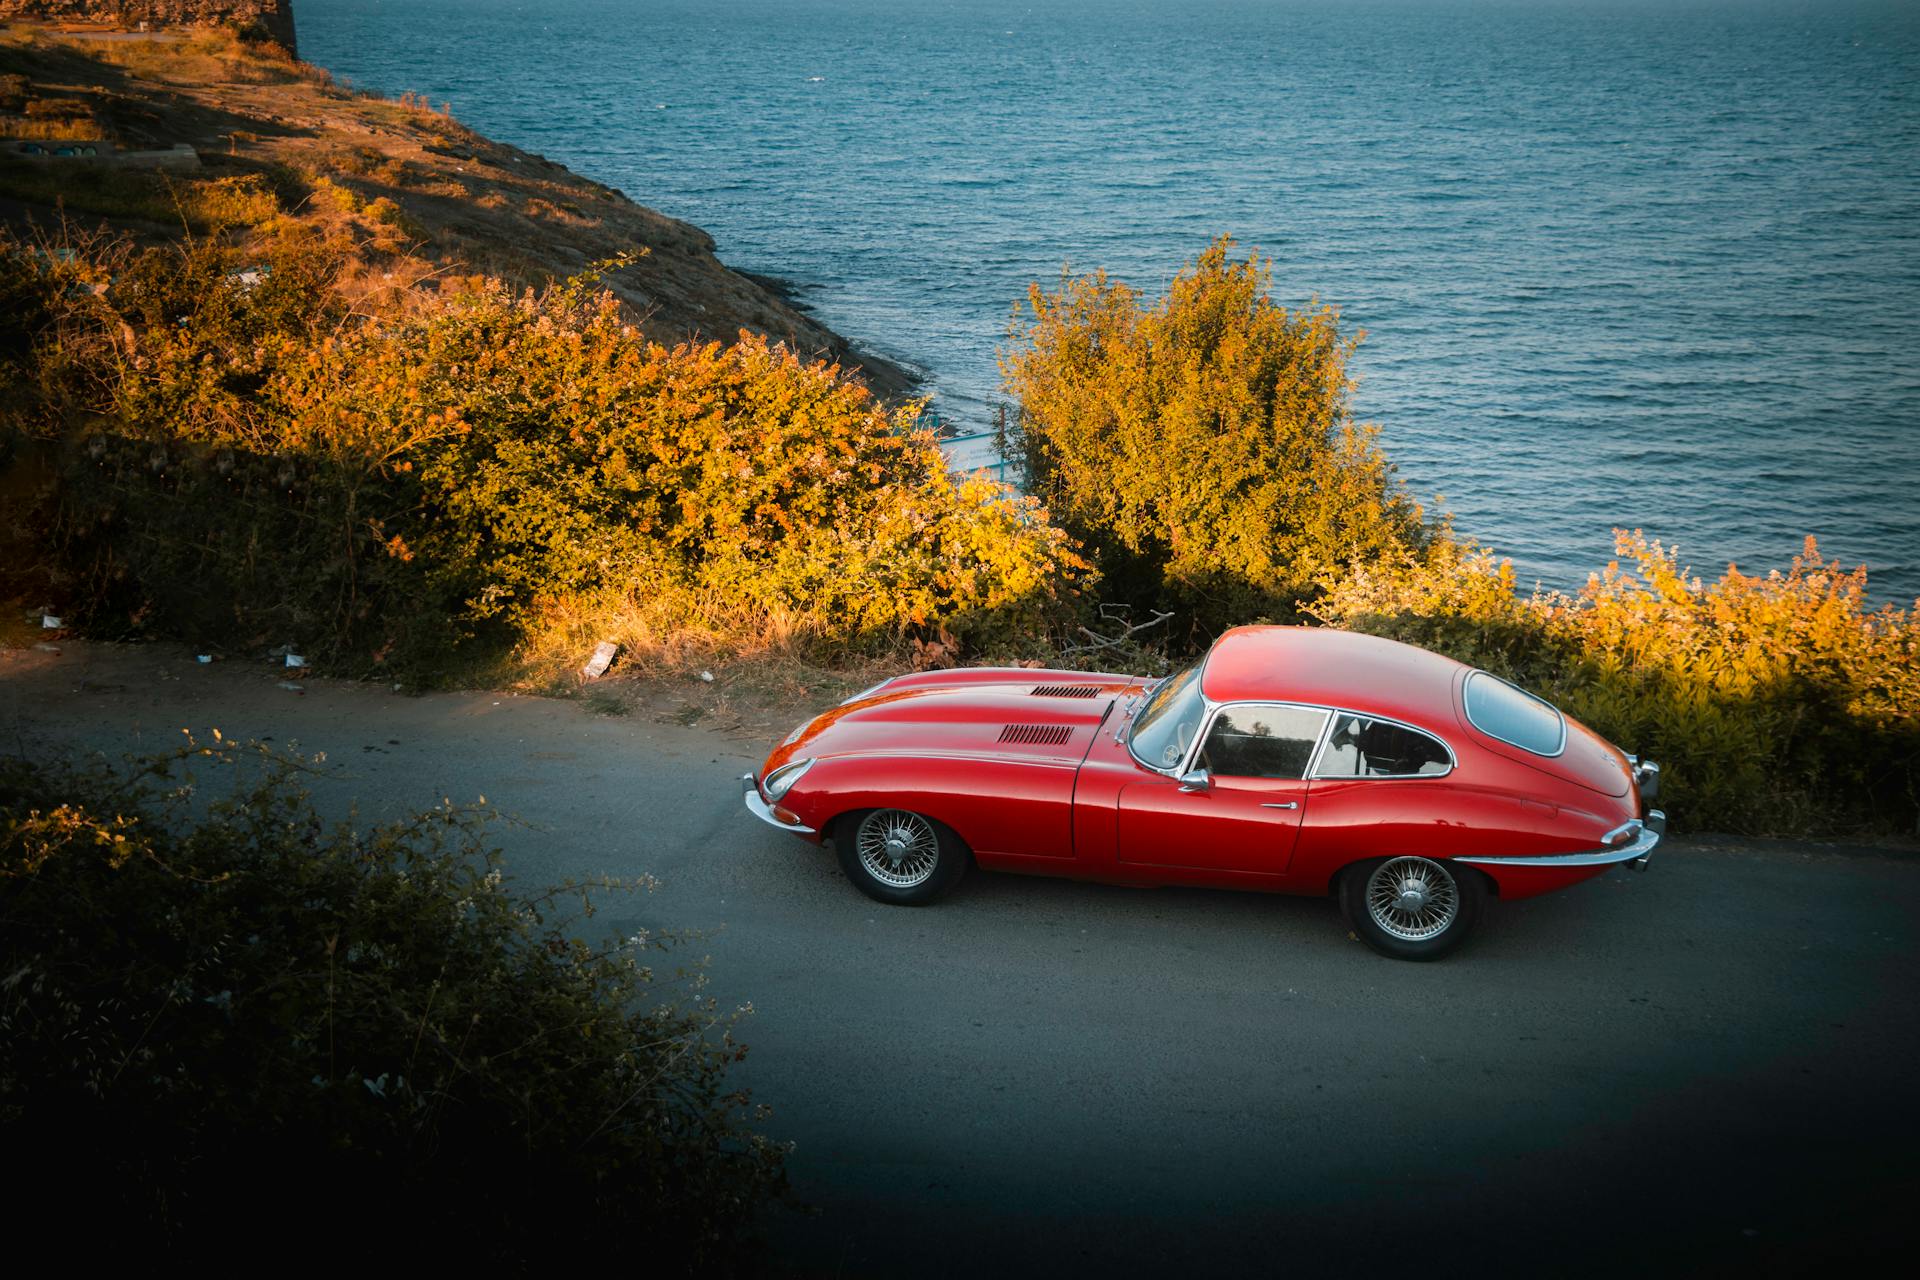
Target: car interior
point(1363, 748)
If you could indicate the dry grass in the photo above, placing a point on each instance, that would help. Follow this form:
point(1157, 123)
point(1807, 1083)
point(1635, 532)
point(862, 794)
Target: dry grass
point(765, 667)
point(209, 56)
point(200, 204)
point(53, 128)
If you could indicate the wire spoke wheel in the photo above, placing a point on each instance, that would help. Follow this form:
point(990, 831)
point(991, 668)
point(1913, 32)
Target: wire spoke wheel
point(897, 848)
point(1412, 899)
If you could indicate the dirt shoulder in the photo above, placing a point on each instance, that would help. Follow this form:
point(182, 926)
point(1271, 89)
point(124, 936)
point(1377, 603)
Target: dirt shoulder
point(54, 685)
point(136, 698)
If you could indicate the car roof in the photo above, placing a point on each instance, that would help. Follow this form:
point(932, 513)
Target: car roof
point(1333, 668)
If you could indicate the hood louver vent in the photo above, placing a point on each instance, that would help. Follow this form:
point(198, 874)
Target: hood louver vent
point(1066, 691)
point(1051, 735)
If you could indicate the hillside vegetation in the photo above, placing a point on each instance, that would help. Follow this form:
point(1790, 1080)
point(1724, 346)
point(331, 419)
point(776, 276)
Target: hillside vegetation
point(422, 202)
point(240, 460)
point(317, 410)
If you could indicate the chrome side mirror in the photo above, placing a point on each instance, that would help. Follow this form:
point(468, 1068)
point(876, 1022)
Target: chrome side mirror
point(1196, 780)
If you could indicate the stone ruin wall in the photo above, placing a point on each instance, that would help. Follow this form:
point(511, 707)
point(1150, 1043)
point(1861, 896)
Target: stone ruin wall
point(274, 16)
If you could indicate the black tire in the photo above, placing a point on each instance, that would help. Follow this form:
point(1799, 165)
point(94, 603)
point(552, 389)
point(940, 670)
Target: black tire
point(931, 871)
point(1389, 929)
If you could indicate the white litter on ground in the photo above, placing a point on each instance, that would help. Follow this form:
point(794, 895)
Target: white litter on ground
point(602, 658)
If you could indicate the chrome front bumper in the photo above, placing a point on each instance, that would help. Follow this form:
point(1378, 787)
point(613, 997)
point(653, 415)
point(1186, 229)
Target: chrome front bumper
point(1636, 852)
point(759, 808)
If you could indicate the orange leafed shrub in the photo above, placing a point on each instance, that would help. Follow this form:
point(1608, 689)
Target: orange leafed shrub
point(246, 457)
point(557, 451)
point(1774, 703)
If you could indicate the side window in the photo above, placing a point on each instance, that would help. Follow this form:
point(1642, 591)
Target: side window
point(1262, 741)
point(1363, 748)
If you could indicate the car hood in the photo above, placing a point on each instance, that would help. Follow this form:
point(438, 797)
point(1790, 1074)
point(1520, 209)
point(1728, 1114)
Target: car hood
point(1002, 713)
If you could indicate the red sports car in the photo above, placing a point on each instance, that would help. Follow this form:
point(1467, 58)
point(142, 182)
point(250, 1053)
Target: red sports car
point(1288, 760)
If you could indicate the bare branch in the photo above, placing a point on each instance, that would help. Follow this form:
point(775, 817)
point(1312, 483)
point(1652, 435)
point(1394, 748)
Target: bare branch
point(1105, 642)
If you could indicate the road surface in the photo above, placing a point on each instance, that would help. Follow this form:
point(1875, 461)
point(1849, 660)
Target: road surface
point(1707, 1067)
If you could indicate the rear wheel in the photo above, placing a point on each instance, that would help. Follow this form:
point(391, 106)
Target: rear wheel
point(898, 856)
point(1411, 908)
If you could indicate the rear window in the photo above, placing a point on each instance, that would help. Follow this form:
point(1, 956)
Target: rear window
point(1511, 714)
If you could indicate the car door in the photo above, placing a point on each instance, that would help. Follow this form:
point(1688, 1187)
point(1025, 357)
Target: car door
point(1247, 817)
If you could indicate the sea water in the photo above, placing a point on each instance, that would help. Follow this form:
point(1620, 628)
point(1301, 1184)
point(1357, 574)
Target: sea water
point(1620, 263)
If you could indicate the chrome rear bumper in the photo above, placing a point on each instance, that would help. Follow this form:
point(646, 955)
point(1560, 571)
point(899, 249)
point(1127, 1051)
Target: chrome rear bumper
point(1636, 852)
point(750, 789)
point(1646, 776)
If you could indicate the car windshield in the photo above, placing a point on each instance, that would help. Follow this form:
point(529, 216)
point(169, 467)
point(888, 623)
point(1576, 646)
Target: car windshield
point(1168, 722)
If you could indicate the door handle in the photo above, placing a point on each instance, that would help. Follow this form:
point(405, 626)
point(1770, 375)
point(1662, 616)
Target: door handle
point(1291, 804)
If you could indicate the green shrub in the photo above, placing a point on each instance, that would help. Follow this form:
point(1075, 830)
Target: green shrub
point(1773, 704)
point(227, 1025)
point(1203, 443)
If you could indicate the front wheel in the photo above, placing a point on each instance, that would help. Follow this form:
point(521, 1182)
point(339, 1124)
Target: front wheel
point(1411, 908)
point(898, 856)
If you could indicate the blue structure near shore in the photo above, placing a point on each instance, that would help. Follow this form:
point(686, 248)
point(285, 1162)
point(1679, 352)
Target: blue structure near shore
point(980, 452)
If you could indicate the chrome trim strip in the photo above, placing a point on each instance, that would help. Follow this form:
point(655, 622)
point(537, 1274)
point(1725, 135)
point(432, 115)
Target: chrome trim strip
point(1320, 746)
point(1646, 836)
point(867, 693)
point(750, 787)
point(980, 757)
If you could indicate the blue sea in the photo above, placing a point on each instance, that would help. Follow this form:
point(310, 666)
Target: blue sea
point(1619, 262)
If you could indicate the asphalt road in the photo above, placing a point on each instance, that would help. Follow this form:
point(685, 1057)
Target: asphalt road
point(1707, 1067)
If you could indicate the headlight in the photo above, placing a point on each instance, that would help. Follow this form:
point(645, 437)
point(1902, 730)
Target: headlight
point(868, 693)
point(781, 780)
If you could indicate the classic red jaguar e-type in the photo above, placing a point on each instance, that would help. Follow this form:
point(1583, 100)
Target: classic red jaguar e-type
point(1290, 760)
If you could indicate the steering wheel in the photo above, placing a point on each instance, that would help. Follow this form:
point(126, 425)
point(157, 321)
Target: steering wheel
point(1183, 734)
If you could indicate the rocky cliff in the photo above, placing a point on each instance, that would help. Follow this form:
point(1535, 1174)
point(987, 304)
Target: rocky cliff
point(426, 198)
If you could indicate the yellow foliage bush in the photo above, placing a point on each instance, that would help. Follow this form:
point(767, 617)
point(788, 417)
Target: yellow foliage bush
point(1776, 703)
point(1203, 442)
point(246, 457)
point(557, 451)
